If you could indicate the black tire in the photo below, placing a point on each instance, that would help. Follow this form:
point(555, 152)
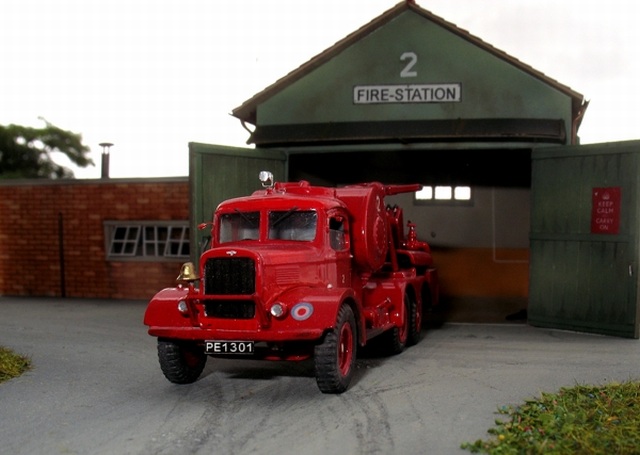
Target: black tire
point(415, 320)
point(395, 340)
point(335, 357)
point(181, 362)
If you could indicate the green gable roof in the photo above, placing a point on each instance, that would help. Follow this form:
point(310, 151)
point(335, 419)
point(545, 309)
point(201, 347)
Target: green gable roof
point(410, 75)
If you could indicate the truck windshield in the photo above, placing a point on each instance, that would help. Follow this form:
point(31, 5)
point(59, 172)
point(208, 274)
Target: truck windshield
point(293, 224)
point(239, 226)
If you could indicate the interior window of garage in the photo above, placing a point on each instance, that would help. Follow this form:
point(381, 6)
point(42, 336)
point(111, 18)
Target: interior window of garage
point(444, 195)
point(147, 240)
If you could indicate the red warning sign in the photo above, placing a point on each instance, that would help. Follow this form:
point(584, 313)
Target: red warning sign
point(605, 210)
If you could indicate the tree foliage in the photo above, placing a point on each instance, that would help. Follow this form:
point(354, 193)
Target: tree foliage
point(27, 152)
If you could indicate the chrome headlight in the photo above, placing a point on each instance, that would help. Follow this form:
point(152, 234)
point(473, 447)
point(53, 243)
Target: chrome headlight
point(278, 310)
point(183, 307)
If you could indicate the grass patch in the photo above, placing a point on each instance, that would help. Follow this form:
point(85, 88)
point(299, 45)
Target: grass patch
point(12, 365)
point(580, 420)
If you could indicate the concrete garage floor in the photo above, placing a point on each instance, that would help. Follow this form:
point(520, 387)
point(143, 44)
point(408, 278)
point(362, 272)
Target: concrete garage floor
point(481, 310)
point(96, 388)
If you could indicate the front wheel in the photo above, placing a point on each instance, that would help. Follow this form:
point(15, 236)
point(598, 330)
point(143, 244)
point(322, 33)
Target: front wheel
point(335, 357)
point(181, 362)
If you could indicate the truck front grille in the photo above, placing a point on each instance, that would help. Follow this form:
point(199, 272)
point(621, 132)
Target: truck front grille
point(230, 309)
point(225, 276)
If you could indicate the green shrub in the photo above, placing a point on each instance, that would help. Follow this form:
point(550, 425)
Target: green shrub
point(11, 364)
point(578, 420)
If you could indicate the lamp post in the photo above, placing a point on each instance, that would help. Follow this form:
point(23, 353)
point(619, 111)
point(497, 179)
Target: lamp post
point(106, 147)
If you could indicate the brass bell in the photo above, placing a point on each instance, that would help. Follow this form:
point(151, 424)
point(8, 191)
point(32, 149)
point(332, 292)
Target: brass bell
point(187, 273)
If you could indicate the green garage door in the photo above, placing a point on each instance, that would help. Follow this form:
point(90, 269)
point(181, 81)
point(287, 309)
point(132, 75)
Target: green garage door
point(584, 238)
point(217, 173)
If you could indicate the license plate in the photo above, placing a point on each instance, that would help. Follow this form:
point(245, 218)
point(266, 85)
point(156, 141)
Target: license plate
point(228, 347)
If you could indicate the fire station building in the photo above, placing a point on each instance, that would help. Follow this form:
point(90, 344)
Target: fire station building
point(517, 212)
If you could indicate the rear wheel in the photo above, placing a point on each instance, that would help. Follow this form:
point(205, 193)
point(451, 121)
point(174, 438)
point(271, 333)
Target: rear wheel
point(335, 357)
point(414, 315)
point(181, 362)
point(395, 340)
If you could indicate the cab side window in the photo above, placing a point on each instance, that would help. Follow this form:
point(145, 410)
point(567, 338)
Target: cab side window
point(336, 234)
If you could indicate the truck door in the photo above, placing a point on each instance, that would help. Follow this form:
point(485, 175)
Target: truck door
point(339, 242)
point(217, 173)
point(584, 238)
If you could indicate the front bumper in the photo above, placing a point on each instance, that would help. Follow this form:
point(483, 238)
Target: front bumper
point(200, 334)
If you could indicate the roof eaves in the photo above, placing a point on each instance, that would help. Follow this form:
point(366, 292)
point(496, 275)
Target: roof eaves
point(464, 34)
point(247, 110)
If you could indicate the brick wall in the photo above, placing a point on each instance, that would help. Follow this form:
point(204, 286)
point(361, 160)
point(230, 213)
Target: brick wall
point(36, 217)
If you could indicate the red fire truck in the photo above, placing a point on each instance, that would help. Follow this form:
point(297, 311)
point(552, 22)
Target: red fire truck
point(294, 272)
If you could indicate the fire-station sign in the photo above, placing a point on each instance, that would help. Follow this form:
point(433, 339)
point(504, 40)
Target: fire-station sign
point(412, 93)
point(605, 210)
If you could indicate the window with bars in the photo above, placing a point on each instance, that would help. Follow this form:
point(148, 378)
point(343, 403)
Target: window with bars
point(147, 240)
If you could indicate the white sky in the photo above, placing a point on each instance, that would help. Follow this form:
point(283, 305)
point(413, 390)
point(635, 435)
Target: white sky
point(151, 76)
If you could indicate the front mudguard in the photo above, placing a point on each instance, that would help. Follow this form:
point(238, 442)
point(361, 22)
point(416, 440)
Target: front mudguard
point(317, 308)
point(162, 310)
